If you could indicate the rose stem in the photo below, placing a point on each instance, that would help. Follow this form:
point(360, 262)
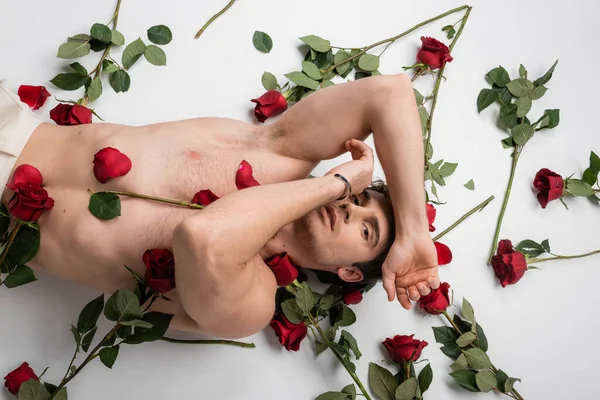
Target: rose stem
point(513, 168)
point(159, 199)
point(217, 15)
point(228, 342)
point(407, 370)
point(11, 239)
point(479, 207)
point(539, 260)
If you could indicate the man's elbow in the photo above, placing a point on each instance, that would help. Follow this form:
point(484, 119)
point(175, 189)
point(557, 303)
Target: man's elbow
point(240, 325)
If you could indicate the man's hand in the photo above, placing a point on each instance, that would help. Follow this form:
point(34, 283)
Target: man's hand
point(410, 269)
point(359, 171)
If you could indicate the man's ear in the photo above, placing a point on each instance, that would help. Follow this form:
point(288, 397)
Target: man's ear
point(350, 274)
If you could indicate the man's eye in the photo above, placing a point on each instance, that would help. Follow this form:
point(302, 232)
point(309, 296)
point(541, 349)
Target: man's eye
point(355, 200)
point(365, 232)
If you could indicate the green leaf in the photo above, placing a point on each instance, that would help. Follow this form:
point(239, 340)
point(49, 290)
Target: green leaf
point(25, 245)
point(523, 106)
point(424, 116)
point(522, 72)
point(132, 53)
point(546, 245)
point(4, 219)
point(88, 318)
point(552, 120)
point(351, 390)
point(340, 57)
point(486, 381)
point(510, 382)
point(346, 317)
point(589, 177)
point(501, 377)
point(155, 55)
point(316, 43)
point(444, 335)
point(460, 363)
point(262, 42)
point(19, 277)
point(80, 69)
point(291, 311)
point(160, 34)
point(465, 326)
point(382, 382)
point(499, 76)
point(485, 99)
point(347, 336)
point(538, 92)
point(120, 81)
point(73, 49)
point(326, 302)
point(520, 87)
point(407, 390)
point(594, 163)
point(82, 37)
point(101, 33)
point(320, 347)
point(341, 350)
point(579, 188)
point(117, 38)
point(508, 115)
point(123, 305)
point(76, 336)
point(305, 300)
point(332, 396)
point(33, 390)
point(269, 81)
point(450, 31)
point(546, 77)
point(522, 133)
point(109, 67)
point(311, 70)
point(368, 62)
point(470, 185)
point(301, 79)
point(69, 81)
point(97, 45)
point(466, 339)
point(137, 323)
point(477, 359)
point(160, 323)
point(451, 350)
point(108, 355)
point(94, 90)
point(105, 205)
point(418, 97)
point(466, 379)
point(86, 339)
point(507, 143)
point(530, 248)
point(447, 169)
point(425, 378)
point(61, 395)
point(467, 311)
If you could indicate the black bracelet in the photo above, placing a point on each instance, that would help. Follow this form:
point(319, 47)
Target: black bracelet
point(348, 187)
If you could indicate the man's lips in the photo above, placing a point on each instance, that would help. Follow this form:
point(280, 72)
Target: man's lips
point(331, 216)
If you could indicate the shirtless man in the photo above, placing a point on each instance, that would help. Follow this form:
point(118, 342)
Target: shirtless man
point(224, 288)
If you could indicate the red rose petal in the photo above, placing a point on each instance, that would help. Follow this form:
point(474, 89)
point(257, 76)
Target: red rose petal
point(443, 252)
point(243, 177)
point(504, 246)
point(110, 163)
point(26, 173)
point(431, 212)
point(352, 297)
point(34, 96)
point(204, 197)
point(269, 104)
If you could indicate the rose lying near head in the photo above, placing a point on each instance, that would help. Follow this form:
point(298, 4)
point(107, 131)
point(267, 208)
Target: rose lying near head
point(290, 335)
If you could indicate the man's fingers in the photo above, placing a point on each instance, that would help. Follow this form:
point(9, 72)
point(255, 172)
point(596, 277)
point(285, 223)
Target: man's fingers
point(423, 288)
point(403, 299)
point(413, 293)
point(388, 285)
point(419, 276)
point(434, 282)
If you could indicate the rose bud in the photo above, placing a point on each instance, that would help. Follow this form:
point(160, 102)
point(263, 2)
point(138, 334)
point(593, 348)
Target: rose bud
point(290, 335)
point(110, 163)
point(404, 348)
point(16, 378)
point(284, 270)
point(34, 96)
point(269, 104)
point(509, 265)
point(243, 176)
point(204, 197)
point(444, 255)
point(71, 114)
point(352, 297)
point(160, 270)
point(436, 301)
point(431, 211)
point(29, 201)
point(550, 186)
point(433, 53)
point(26, 173)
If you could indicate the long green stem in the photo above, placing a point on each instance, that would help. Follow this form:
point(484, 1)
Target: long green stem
point(228, 342)
point(539, 260)
point(153, 198)
point(479, 207)
point(11, 239)
point(513, 168)
point(210, 21)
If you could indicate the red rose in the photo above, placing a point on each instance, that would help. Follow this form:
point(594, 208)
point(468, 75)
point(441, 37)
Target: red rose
point(433, 53)
point(160, 270)
point(204, 197)
point(444, 255)
point(16, 378)
point(71, 114)
point(431, 211)
point(26, 173)
point(404, 348)
point(352, 297)
point(269, 104)
point(29, 201)
point(509, 265)
point(33, 96)
point(290, 335)
point(283, 268)
point(243, 176)
point(110, 163)
point(436, 301)
point(550, 186)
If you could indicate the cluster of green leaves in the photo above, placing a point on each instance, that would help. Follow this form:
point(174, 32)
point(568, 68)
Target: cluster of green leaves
point(513, 114)
point(102, 38)
point(584, 187)
point(387, 386)
point(472, 368)
point(36, 390)
point(320, 66)
point(22, 250)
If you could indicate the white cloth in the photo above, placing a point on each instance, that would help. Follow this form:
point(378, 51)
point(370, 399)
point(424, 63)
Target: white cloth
point(17, 123)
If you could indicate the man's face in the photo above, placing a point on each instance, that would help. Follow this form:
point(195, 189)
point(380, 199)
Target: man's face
point(343, 233)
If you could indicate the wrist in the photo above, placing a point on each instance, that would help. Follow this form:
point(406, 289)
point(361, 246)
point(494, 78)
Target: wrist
point(336, 187)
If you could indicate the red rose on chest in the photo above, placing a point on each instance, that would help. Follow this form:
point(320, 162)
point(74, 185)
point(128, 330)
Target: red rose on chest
point(71, 114)
point(29, 201)
point(160, 270)
point(283, 268)
point(110, 163)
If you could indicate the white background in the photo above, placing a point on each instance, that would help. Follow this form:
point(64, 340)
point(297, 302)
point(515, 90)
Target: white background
point(542, 330)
